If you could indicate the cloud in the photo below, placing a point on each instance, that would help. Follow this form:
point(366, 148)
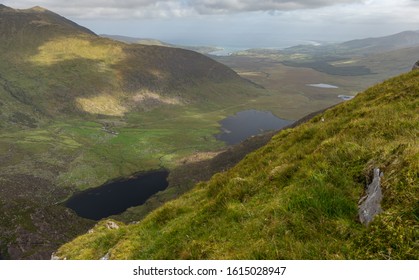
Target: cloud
point(234, 6)
point(170, 8)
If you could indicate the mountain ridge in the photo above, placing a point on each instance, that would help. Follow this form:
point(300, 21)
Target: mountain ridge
point(390, 42)
point(365, 46)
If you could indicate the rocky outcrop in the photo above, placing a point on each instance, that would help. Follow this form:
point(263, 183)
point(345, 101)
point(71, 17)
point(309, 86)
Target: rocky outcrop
point(108, 224)
point(111, 225)
point(54, 257)
point(105, 257)
point(370, 204)
point(416, 66)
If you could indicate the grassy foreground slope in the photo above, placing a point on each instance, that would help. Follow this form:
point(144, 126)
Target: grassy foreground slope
point(295, 198)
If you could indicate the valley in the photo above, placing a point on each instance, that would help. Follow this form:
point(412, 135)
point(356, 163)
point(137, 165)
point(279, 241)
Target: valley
point(78, 111)
point(286, 73)
point(294, 198)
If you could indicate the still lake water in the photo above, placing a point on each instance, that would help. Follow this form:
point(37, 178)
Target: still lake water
point(244, 124)
point(322, 86)
point(117, 196)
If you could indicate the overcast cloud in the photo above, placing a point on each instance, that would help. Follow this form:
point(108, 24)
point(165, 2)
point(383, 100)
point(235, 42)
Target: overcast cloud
point(239, 22)
point(180, 8)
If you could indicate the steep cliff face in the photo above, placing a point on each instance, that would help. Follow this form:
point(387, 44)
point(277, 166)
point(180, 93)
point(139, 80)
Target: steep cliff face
point(297, 197)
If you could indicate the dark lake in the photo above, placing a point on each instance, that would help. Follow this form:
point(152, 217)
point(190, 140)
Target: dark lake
point(244, 124)
point(117, 196)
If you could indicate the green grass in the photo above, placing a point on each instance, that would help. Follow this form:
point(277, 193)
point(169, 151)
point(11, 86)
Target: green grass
point(61, 85)
point(60, 89)
point(295, 198)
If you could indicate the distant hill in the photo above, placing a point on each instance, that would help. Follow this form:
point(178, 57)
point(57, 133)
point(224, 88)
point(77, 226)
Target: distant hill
point(296, 197)
point(366, 46)
point(385, 56)
point(382, 44)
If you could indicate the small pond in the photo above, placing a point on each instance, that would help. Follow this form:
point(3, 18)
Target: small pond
point(244, 124)
point(115, 197)
point(346, 97)
point(322, 86)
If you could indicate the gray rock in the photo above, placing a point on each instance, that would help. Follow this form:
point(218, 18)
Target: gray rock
point(111, 225)
point(416, 66)
point(105, 257)
point(370, 204)
point(54, 257)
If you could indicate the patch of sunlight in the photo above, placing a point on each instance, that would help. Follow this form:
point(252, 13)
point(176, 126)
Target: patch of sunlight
point(158, 74)
point(343, 62)
point(103, 104)
point(298, 56)
point(251, 74)
point(62, 49)
point(147, 97)
point(197, 157)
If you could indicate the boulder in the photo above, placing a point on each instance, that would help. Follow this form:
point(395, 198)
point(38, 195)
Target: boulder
point(370, 204)
point(111, 225)
point(105, 257)
point(416, 66)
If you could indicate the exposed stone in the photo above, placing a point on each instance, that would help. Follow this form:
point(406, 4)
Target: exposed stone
point(369, 205)
point(416, 66)
point(105, 257)
point(54, 257)
point(111, 225)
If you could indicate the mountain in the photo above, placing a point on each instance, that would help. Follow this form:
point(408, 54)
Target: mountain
point(78, 110)
point(19, 23)
point(74, 68)
point(400, 40)
point(405, 39)
point(295, 198)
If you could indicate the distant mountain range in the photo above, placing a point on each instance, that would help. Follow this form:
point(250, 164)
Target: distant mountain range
point(406, 39)
point(400, 40)
point(365, 46)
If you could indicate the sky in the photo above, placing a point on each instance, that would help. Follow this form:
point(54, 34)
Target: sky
point(238, 23)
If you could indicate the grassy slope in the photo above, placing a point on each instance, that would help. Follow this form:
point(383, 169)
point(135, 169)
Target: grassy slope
point(295, 198)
